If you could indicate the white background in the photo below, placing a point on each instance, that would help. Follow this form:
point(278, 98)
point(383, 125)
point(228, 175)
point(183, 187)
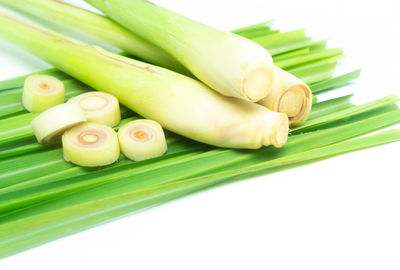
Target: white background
point(342, 213)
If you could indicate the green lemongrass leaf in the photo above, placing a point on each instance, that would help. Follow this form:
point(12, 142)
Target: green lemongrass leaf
point(259, 33)
point(281, 38)
point(178, 152)
point(16, 127)
point(330, 106)
point(253, 27)
point(25, 233)
point(320, 60)
point(44, 164)
point(312, 57)
point(278, 50)
point(206, 162)
point(315, 73)
point(25, 148)
point(342, 114)
point(335, 82)
point(291, 54)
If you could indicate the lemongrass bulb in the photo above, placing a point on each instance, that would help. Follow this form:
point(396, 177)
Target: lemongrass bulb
point(53, 122)
point(91, 145)
point(289, 95)
point(99, 107)
point(142, 139)
point(42, 92)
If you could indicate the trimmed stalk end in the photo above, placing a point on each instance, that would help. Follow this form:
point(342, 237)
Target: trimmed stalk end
point(277, 132)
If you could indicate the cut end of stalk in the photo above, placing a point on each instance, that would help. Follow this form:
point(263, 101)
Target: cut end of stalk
point(277, 129)
point(142, 139)
point(99, 107)
point(279, 138)
point(296, 103)
point(292, 102)
point(91, 145)
point(257, 84)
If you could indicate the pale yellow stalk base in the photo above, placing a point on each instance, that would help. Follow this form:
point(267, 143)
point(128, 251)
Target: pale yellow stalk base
point(91, 145)
point(99, 107)
point(142, 139)
point(53, 122)
point(41, 92)
point(289, 95)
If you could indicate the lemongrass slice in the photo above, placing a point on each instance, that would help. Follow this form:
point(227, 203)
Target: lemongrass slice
point(289, 95)
point(42, 92)
point(99, 107)
point(91, 145)
point(53, 122)
point(142, 139)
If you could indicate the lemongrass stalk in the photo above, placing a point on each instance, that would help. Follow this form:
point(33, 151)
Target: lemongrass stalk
point(178, 103)
point(289, 95)
point(228, 63)
point(22, 234)
point(98, 27)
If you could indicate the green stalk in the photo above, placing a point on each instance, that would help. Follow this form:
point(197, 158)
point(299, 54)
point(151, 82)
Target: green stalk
point(230, 64)
point(213, 160)
point(178, 103)
point(96, 26)
point(25, 233)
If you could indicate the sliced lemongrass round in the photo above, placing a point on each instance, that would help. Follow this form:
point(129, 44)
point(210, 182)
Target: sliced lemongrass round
point(142, 139)
point(91, 145)
point(42, 92)
point(99, 107)
point(53, 122)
